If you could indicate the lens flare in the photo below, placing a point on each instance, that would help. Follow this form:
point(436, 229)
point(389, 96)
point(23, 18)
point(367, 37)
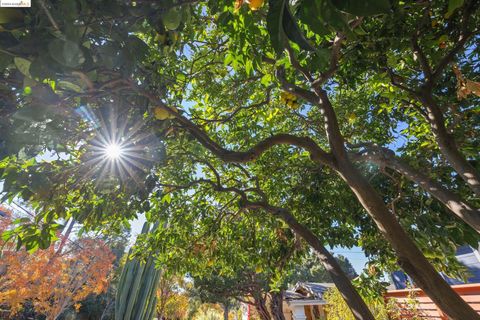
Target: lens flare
point(113, 151)
point(122, 152)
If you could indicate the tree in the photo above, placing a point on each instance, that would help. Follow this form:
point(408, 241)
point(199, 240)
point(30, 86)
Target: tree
point(53, 281)
point(337, 309)
point(218, 289)
point(102, 306)
point(319, 54)
point(201, 244)
point(172, 300)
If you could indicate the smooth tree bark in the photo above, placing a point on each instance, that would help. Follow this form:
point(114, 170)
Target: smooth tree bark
point(410, 258)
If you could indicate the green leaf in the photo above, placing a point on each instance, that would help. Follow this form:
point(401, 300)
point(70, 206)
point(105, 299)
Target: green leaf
point(167, 198)
point(69, 9)
point(23, 65)
point(5, 60)
point(67, 53)
point(31, 246)
point(281, 23)
point(248, 67)
point(322, 58)
point(332, 16)
point(275, 25)
point(8, 15)
point(266, 80)
point(308, 13)
point(452, 6)
point(360, 31)
point(364, 7)
point(137, 47)
point(293, 32)
point(70, 86)
point(172, 18)
point(41, 67)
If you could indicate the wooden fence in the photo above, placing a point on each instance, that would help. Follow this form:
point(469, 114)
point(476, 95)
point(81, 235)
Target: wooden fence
point(409, 299)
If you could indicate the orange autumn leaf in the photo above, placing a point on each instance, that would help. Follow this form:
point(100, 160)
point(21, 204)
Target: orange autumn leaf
point(238, 4)
point(465, 87)
point(53, 282)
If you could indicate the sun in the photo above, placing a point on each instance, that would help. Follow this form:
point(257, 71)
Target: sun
point(113, 151)
point(121, 149)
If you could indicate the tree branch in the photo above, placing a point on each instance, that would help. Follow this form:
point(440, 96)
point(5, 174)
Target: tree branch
point(237, 110)
point(334, 58)
point(465, 35)
point(296, 64)
point(427, 70)
point(440, 67)
point(386, 158)
point(317, 154)
point(49, 15)
point(394, 80)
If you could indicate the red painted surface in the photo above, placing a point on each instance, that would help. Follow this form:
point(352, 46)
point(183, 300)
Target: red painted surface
point(426, 308)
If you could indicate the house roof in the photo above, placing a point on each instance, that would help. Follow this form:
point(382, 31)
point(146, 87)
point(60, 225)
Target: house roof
point(466, 255)
point(308, 291)
point(292, 295)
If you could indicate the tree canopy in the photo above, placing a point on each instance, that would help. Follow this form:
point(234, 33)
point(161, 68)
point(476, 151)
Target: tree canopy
point(348, 122)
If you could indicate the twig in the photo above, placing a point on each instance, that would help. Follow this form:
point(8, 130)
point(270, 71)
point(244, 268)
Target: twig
point(296, 64)
point(49, 15)
point(421, 57)
point(335, 57)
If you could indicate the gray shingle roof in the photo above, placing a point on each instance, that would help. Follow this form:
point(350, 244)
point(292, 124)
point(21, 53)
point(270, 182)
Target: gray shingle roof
point(310, 290)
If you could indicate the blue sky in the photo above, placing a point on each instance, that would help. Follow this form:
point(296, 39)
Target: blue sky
point(355, 255)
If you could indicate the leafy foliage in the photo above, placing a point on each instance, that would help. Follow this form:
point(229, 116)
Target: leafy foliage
point(337, 309)
point(310, 270)
point(376, 112)
point(51, 280)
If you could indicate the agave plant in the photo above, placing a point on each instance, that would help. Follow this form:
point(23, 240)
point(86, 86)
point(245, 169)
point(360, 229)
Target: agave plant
point(136, 295)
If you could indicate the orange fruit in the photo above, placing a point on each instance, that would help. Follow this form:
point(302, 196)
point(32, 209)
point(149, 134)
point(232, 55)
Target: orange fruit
point(161, 114)
point(255, 4)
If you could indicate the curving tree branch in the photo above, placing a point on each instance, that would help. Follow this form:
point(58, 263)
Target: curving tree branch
point(386, 158)
point(317, 154)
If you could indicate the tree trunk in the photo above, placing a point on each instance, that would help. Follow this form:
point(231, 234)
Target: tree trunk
point(410, 258)
point(446, 144)
point(225, 311)
point(344, 285)
point(276, 305)
point(261, 308)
